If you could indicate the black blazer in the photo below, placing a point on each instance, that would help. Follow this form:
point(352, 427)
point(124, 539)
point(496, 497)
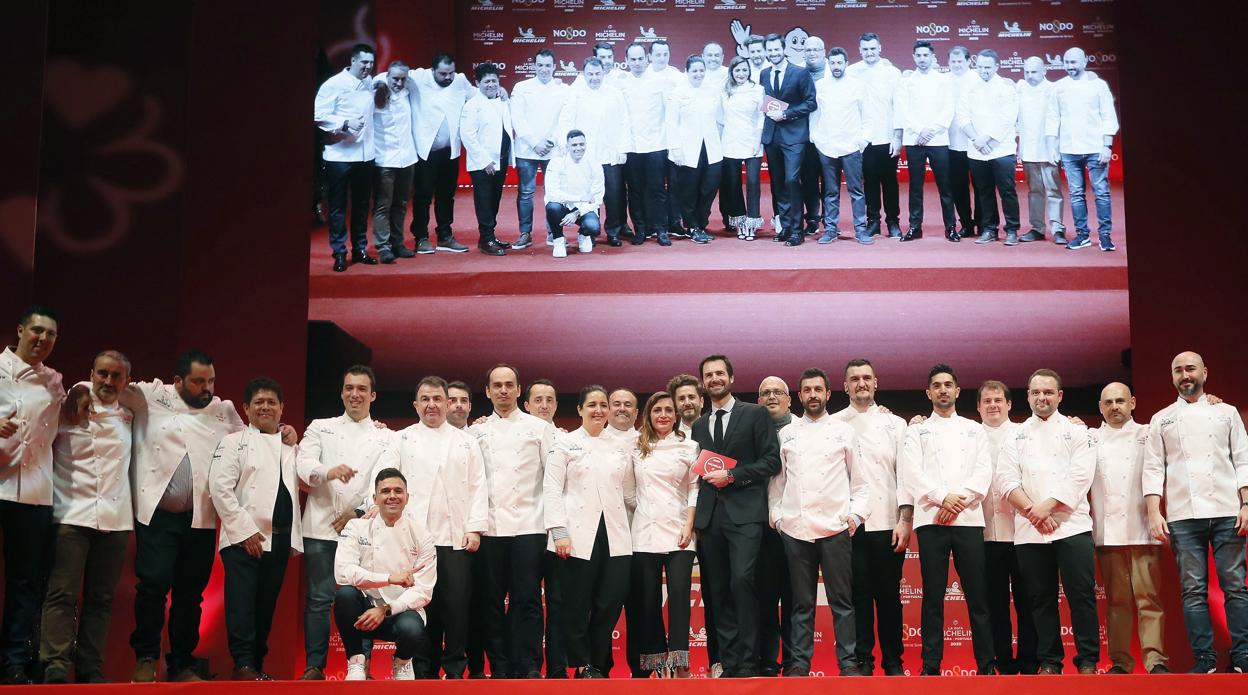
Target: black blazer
point(751, 440)
point(798, 90)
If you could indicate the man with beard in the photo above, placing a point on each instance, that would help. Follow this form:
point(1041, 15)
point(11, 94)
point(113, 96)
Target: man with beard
point(879, 160)
point(686, 390)
point(774, 589)
point(458, 404)
point(1197, 458)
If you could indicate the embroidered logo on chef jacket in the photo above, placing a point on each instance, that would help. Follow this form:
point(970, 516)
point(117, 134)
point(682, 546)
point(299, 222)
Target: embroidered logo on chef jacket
point(163, 399)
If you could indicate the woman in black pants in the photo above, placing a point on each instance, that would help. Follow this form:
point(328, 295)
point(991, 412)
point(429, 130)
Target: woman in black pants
point(742, 139)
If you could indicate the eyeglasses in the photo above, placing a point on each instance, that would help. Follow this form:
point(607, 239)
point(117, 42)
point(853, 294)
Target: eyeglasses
point(772, 392)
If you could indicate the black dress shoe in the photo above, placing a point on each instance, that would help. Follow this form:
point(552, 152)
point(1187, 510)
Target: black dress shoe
point(363, 258)
point(503, 244)
point(796, 240)
point(638, 239)
point(614, 241)
point(952, 235)
point(403, 252)
point(664, 239)
point(340, 263)
point(914, 233)
point(780, 238)
point(967, 231)
point(894, 230)
point(873, 227)
point(589, 672)
point(492, 248)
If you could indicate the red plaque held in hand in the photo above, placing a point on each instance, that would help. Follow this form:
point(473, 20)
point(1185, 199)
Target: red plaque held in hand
point(709, 461)
point(771, 104)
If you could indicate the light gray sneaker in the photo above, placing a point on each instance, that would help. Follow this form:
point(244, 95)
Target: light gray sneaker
point(450, 244)
point(423, 247)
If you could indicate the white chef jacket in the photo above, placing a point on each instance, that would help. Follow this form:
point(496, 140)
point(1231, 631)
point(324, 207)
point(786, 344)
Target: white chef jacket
point(515, 450)
point(944, 455)
point(693, 120)
point(644, 100)
point(924, 100)
point(880, 436)
point(820, 479)
point(603, 117)
point(166, 431)
point(328, 443)
point(1049, 458)
point(742, 135)
point(998, 512)
point(880, 82)
point(609, 79)
point(481, 127)
point(446, 481)
point(34, 396)
point(1080, 114)
point(958, 140)
point(1197, 457)
point(340, 98)
point(1033, 105)
point(991, 108)
point(628, 436)
point(369, 551)
point(1119, 515)
point(578, 185)
point(91, 469)
point(589, 479)
point(244, 479)
point(436, 107)
point(393, 143)
point(838, 126)
point(716, 80)
point(535, 111)
point(669, 77)
point(666, 488)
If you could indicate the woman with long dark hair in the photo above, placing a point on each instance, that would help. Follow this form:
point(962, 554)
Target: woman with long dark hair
point(742, 140)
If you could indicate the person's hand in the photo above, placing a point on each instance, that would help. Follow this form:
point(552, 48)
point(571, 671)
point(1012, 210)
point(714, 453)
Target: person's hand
point(1048, 526)
point(491, 169)
point(379, 425)
point(355, 125)
point(884, 409)
point(403, 579)
point(954, 503)
point(371, 512)
point(740, 33)
point(776, 115)
point(901, 534)
point(502, 94)
point(622, 159)
point(1212, 399)
point(472, 541)
point(1158, 529)
point(1106, 155)
point(944, 517)
point(254, 545)
point(980, 143)
point(76, 407)
point(717, 478)
point(481, 420)
point(1241, 521)
point(1054, 158)
point(926, 134)
point(894, 148)
point(851, 521)
point(686, 537)
point(544, 149)
point(289, 436)
point(918, 420)
point(341, 472)
point(340, 522)
point(563, 548)
point(1041, 511)
point(370, 619)
point(568, 219)
point(1076, 420)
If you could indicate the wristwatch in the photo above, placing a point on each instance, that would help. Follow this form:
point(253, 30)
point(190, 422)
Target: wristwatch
point(731, 478)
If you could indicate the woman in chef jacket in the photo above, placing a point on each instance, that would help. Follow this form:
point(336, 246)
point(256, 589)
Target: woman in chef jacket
point(693, 120)
point(742, 141)
point(588, 490)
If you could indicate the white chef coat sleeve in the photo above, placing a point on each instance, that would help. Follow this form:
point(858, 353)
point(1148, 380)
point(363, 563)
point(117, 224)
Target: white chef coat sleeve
point(425, 575)
point(981, 474)
point(308, 464)
point(347, 568)
point(1008, 474)
point(910, 466)
point(324, 108)
point(478, 490)
point(859, 490)
point(553, 481)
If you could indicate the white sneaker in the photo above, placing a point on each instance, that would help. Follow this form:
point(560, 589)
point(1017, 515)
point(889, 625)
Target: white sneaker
point(717, 670)
point(401, 670)
point(587, 243)
point(357, 669)
point(550, 240)
point(561, 248)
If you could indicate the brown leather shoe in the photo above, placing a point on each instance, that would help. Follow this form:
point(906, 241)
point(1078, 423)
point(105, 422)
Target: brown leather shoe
point(1088, 669)
point(246, 673)
point(144, 671)
point(312, 673)
point(185, 675)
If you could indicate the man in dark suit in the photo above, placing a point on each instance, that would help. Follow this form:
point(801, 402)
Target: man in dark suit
point(732, 510)
point(786, 135)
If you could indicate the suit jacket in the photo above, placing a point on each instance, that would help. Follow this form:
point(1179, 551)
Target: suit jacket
point(798, 90)
point(750, 439)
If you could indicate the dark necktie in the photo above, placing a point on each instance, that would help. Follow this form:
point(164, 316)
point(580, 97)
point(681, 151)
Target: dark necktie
point(775, 82)
point(719, 431)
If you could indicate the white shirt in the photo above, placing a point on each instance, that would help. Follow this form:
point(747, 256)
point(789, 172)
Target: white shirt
point(991, 108)
point(944, 455)
point(393, 143)
point(247, 472)
point(1033, 105)
point(535, 111)
point(369, 551)
point(880, 436)
point(924, 100)
point(602, 115)
point(481, 127)
point(1049, 458)
point(693, 118)
point(578, 185)
point(1197, 458)
point(880, 81)
point(339, 99)
point(644, 100)
point(327, 444)
point(628, 436)
point(838, 126)
point(515, 450)
point(1080, 114)
point(998, 512)
point(1119, 515)
point(710, 416)
point(777, 72)
point(820, 479)
point(446, 474)
point(666, 488)
point(669, 77)
point(91, 469)
point(167, 432)
point(437, 109)
point(590, 479)
point(742, 135)
point(33, 395)
point(958, 140)
point(609, 79)
point(716, 80)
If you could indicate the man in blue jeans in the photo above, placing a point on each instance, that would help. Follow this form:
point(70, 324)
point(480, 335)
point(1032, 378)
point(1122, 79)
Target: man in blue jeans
point(1197, 458)
point(535, 106)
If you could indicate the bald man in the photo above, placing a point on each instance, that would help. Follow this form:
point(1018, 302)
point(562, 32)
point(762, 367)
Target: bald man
point(773, 568)
point(1044, 184)
point(1197, 459)
point(1129, 558)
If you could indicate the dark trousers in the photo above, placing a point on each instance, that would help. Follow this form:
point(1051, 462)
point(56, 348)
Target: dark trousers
point(639, 629)
point(834, 555)
point(406, 629)
point(708, 609)
point(447, 627)
point(251, 589)
point(731, 552)
point(647, 199)
point(850, 166)
point(434, 182)
point(784, 162)
point(1005, 580)
point(964, 202)
point(87, 562)
point(476, 615)
point(734, 203)
point(697, 191)
point(354, 179)
point(318, 569)
point(26, 554)
point(879, 175)
point(917, 157)
point(1074, 559)
point(814, 188)
point(877, 598)
point(775, 604)
point(594, 593)
point(171, 561)
point(487, 192)
point(393, 186)
point(966, 544)
point(586, 224)
point(552, 591)
point(513, 637)
point(671, 175)
point(655, 642)
point(995, 177)
point(614, 199)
